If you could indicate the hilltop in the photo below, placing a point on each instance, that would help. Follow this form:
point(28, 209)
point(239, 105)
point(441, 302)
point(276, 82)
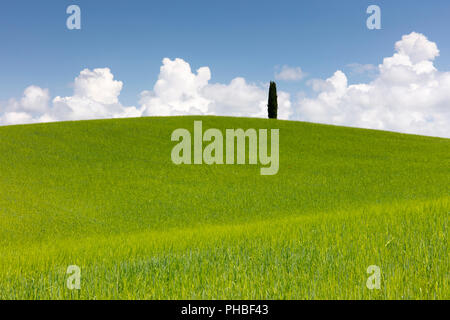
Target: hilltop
point(105, 195)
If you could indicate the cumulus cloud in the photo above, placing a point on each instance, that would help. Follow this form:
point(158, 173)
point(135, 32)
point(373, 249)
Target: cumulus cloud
point(177, 91)
point(180, 91)
point(16, 117)
point(98, 85)
point(289, 74)
point(96, 96)
point(417, 47)
point(409, 95)
point(35, 99)
point(30, 108)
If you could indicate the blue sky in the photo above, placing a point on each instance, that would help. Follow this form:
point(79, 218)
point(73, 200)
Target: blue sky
point(252, 39)
point(234, 38)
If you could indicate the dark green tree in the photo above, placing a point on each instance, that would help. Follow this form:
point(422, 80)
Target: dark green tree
point(272, 106)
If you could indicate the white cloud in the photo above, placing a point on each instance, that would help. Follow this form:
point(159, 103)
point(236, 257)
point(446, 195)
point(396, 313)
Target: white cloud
point(35, 99)
point(98, 85)
point(409, 94)
point(179, 91)
point(16, 117)
point(289, 74)
point(417, 47)
point(96, 96)
point(34, 102)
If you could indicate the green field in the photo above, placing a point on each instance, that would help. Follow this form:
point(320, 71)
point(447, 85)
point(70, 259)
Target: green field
point(104, 195)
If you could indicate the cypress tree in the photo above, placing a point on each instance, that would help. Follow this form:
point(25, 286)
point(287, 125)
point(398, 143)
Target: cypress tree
point(272, 106)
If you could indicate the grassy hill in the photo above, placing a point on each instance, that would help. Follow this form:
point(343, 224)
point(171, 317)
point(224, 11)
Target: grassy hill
point(105, 195)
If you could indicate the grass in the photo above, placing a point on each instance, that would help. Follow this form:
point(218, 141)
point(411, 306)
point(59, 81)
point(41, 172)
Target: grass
point(104, 195)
